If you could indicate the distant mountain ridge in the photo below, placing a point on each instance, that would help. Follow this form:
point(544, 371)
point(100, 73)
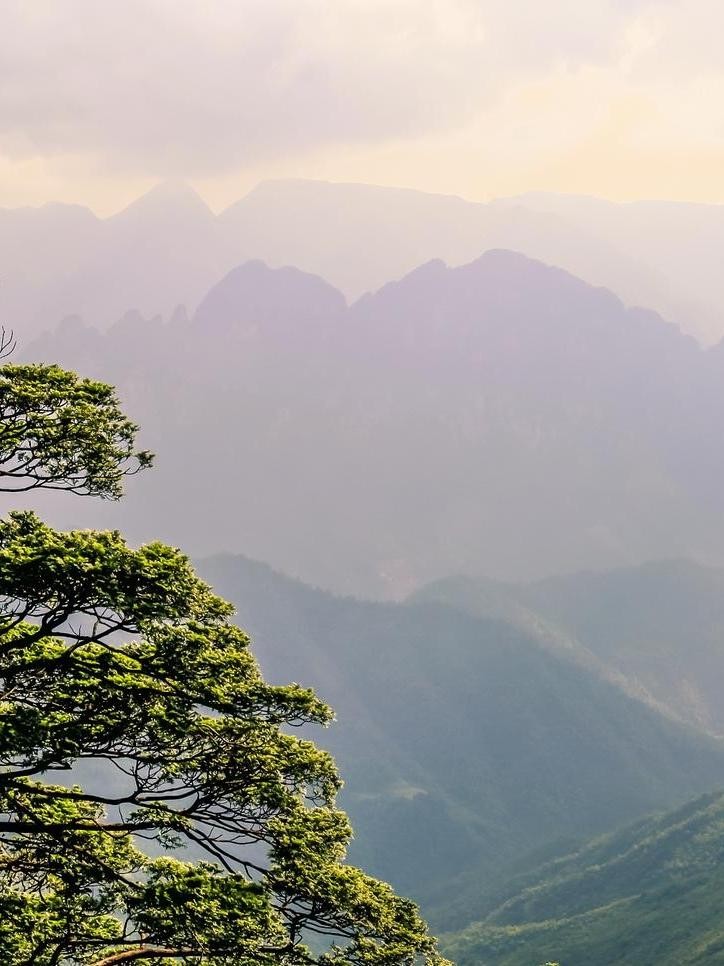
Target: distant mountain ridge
point(167, 247)
point(656, 629)
point(501, 417)
point(681, 239)
point(62, 260)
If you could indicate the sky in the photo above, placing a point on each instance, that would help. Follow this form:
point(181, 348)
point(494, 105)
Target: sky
point(100, 100)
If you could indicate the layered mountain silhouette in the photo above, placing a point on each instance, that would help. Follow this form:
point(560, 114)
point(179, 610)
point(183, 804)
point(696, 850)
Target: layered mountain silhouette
point(681, 241)
point(488, 414)
point(656, 630)
point(61, 260)
point(502, 418)
point(168, 247)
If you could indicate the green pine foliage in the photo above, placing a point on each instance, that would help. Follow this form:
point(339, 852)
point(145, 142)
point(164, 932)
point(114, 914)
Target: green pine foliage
point(58, 431)
point(136, 731)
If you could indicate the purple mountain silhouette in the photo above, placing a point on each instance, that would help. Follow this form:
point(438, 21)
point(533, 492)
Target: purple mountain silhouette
point(500, 418)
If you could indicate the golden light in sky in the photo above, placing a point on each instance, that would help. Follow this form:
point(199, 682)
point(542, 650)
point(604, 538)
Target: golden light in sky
point(482, 98)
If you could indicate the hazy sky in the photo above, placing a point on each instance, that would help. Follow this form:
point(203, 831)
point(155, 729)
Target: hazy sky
point(621, 98)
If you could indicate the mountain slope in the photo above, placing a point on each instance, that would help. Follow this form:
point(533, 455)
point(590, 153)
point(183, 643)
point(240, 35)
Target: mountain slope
point(651, 895)
point(446, 722)
point(657, 628)
point(681, 241)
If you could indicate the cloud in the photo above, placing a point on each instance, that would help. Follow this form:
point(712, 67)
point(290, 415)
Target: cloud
point(179, 87)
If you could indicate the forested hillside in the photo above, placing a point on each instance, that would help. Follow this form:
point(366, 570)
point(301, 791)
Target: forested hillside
point(650, 895)
point(445, 723)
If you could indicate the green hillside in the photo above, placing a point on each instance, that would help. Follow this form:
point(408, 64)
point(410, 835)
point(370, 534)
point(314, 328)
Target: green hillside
point(658, 629)
point(651, 895)
point(464, 744)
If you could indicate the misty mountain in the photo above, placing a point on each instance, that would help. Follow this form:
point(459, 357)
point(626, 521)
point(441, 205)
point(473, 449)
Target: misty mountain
point(446, 722)
point(252, 302)
point(681, 241)
point(360, 236)
point(656, 629)
point(167, 248)
point(60, 260)
point(662, 255)
point(500, 418)
point(650, 895)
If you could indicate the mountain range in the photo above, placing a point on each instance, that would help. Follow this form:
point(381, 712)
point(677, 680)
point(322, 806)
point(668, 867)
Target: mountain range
point(675, 243)
point(465, 745)
point(373, 419)
point(168, 248)
point(501, 418)
point(657, 629)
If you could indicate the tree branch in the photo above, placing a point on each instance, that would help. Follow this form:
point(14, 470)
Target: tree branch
point(146, 952)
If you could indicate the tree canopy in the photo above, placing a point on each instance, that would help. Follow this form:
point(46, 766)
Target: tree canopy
point(155, 802)
point(61, 432)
